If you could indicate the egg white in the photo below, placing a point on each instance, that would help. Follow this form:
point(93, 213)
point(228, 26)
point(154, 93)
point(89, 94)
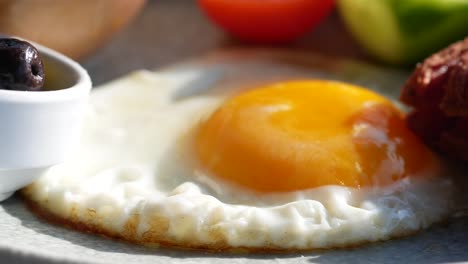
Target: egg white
point(133, 177)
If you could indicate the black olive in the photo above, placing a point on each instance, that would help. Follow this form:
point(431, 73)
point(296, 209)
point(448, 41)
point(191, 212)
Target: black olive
point(21, 66)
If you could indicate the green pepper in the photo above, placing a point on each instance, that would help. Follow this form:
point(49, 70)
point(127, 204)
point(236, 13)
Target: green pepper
point(405, 31)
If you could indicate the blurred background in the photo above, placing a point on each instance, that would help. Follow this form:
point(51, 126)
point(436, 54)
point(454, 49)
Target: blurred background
point(168, 31)
point(113, 37)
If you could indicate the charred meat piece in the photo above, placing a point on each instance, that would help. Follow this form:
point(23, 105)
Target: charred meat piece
point(438, 91)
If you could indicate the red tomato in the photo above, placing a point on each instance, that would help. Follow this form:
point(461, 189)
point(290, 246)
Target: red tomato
point(267, 20)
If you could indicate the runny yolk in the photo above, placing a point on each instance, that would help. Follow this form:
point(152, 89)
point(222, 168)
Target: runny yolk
point(303, 134)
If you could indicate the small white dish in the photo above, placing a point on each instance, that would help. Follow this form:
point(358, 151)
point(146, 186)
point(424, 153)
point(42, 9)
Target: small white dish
point(39, 129)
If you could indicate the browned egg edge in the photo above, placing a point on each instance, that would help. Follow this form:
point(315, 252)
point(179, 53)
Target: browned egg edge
point(157, 238)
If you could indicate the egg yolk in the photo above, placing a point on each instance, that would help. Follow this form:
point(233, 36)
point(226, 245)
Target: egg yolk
point(302, 134)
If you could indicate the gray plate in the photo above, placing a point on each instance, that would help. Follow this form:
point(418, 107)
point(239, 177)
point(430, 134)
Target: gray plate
point(26, 239)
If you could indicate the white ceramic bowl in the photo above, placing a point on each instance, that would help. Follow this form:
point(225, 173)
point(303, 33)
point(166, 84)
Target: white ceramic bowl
point(39, 129)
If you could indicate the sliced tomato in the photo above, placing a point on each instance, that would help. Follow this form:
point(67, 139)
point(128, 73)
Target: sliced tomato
point(267, 20)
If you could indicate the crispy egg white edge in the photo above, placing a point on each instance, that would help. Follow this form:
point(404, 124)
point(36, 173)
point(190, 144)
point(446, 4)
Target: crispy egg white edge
point(117, 185)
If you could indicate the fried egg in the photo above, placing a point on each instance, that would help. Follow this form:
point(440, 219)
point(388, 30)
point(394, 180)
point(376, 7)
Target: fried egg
point(290, 165)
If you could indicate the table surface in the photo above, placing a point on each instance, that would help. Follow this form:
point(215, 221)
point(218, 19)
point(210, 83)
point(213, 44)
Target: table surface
point(168, 31)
